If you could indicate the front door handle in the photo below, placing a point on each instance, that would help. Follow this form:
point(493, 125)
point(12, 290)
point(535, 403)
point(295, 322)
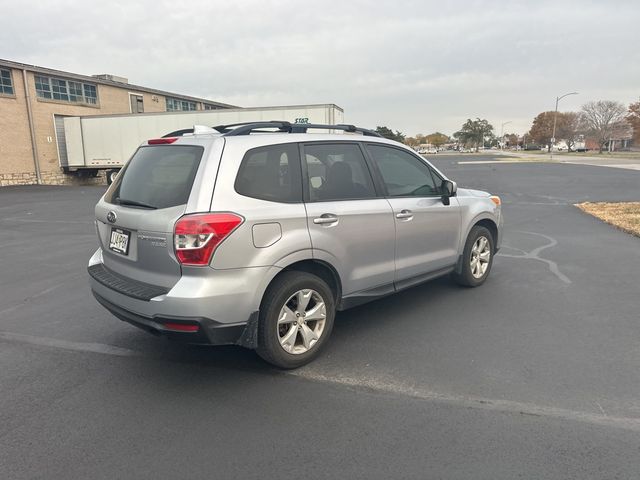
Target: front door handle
point(405, 215)
point(326, 219)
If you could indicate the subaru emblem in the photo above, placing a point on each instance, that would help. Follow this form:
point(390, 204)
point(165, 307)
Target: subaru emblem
point(112, 217)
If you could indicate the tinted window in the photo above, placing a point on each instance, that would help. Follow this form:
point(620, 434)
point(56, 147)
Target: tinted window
point(402, 173)
point(337, 172)
point(271, 173)
point(160, 176)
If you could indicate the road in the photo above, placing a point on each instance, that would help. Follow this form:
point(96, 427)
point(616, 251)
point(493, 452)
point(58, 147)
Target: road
point(533, 375)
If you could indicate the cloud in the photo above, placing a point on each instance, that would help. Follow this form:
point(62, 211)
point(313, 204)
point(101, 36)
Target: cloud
point(416, 66)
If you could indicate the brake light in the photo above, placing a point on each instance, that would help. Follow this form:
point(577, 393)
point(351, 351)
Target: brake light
point(162, 141)
point(197, 236)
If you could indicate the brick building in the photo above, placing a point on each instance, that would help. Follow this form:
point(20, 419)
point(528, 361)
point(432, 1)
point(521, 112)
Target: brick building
point(30, 96)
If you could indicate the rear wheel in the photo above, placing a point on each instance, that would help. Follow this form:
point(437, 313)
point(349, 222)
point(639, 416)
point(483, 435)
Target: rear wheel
point(296, 319)
point(477, 258)
point(111, 176)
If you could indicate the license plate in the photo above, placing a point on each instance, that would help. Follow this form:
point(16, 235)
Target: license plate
point(119, 241)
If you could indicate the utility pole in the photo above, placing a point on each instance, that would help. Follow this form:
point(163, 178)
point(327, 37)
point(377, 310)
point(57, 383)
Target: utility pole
point(555, 119)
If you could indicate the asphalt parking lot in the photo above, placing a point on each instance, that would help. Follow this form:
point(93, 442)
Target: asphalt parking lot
point(536, 374)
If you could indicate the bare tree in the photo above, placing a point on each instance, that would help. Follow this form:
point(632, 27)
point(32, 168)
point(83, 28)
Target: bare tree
point(604, 119)
point(571, 125)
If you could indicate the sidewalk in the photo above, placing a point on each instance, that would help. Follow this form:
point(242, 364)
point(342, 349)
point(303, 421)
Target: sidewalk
point(605, 160)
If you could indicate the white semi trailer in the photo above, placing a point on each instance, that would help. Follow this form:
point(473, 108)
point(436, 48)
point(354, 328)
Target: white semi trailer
point(89, 144)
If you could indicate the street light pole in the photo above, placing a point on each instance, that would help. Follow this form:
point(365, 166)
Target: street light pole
point(555, 119)
point(502, 135)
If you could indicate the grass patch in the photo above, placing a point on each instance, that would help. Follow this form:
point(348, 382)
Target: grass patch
point(623, 215)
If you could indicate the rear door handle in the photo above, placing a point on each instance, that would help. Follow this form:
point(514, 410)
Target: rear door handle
point(405, 215)
point(326, 219)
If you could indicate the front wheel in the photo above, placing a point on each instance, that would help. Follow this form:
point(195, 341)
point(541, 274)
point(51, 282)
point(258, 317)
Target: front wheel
point(477, 258)
point(296, 319)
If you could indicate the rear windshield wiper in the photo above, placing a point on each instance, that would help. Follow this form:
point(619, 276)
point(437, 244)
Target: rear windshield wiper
point(134, 203)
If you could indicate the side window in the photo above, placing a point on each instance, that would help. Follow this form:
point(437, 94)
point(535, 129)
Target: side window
point(271, 173)
point(437, 180)
point(337, 172)
point(403, 174)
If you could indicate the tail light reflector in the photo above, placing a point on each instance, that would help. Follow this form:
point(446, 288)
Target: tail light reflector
point(182, 327)
point(197, 236)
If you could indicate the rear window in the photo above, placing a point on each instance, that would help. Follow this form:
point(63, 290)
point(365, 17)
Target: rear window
point(157, 177)
point(271, 173)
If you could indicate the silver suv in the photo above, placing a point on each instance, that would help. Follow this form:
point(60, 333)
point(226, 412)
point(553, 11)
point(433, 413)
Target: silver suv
point(256, 234)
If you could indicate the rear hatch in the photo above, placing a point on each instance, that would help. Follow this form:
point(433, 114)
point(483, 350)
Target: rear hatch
point(136, 217)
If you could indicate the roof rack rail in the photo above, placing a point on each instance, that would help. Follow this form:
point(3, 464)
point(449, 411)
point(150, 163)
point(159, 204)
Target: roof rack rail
point(224, 129)
point(246, 128)
point(283, 126)
point(302, 128)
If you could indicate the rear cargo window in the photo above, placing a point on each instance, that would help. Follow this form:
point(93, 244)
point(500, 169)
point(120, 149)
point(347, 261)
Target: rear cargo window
point(157, 177)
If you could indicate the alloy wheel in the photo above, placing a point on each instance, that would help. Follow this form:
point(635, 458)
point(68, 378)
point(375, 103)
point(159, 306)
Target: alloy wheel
point(301, 321)
point(480, 256)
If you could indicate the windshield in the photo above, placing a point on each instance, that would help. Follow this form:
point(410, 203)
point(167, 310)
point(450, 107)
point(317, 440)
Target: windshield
point(157, 177)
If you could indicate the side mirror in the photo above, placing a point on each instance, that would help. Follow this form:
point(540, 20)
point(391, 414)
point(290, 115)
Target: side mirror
point(448, 189)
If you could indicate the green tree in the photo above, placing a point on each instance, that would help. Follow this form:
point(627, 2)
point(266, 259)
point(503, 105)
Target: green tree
point(412, 141)
point(437, 139)
point(476, 133)
point(388, 133)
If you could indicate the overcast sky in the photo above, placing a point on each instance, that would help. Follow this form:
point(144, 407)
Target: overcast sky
point(416, 66)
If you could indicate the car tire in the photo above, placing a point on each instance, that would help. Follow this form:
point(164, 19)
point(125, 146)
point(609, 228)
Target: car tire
point(474, 270)
point(288, 336)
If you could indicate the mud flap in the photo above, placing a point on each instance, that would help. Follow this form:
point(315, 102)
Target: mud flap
point(249, 337)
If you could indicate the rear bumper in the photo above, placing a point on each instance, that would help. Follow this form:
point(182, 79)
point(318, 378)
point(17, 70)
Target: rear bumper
point(205, 331)
point(205, 306)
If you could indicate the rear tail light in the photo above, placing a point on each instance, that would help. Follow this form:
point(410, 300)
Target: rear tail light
point(197, 236)
point(162, 141)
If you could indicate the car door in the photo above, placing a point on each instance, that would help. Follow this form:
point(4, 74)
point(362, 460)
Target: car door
point(427, 230)
point(351, 224)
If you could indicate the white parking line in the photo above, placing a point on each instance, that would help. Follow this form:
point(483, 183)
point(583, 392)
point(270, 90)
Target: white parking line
point(67, 345)
point(385, 384)
point(388, 385)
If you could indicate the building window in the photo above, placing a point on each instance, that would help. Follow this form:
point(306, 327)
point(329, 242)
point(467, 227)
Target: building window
point(208, 106)
point(6, 86)
point(137, 103)
point(66, 90)
point(177, 105)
